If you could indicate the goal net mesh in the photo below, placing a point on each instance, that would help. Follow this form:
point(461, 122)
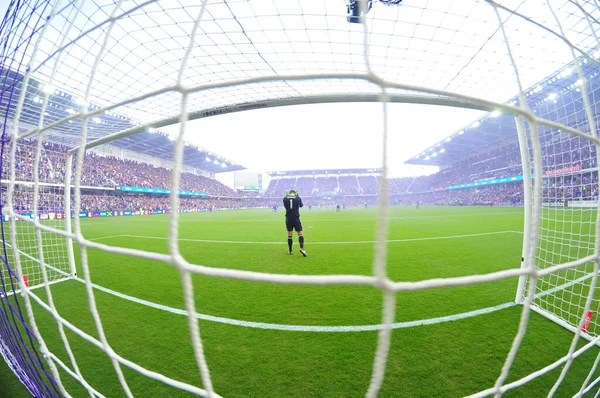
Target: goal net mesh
point(87, 72)
point(569, 200)
point(48, 209)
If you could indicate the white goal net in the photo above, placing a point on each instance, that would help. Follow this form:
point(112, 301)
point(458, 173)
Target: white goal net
point(48, 209)
point(87, 72)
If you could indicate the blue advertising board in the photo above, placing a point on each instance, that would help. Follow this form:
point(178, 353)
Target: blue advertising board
point(488, 182)
point(160, 191)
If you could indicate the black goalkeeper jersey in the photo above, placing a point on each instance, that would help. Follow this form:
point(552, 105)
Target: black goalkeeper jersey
point(292, 207)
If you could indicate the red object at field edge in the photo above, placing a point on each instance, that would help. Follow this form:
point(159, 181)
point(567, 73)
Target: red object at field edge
point(588, 318)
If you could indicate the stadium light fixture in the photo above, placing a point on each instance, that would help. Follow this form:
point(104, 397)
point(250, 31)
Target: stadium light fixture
point(427, 158)
point(475, 125)
point(152, 130)
point(207, 159)
point(216, 161)
point(442, 150)
point(461, 132)
point(223, 164)
point(579, 82)
point(97, 120)
point(596, 54)
point(567, 72)
point(171, 138)
point(448, 139)
point(434, 154)
point(496, 113)
point(36, 99)
point(551, 96)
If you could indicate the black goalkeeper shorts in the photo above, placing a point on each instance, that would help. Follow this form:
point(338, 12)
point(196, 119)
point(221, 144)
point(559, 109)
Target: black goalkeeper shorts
point(293, 224)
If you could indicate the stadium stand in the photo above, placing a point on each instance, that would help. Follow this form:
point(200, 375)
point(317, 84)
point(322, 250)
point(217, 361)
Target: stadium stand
point(107, 171)
point(319, 188)
point(348, 185)
point(481, 165)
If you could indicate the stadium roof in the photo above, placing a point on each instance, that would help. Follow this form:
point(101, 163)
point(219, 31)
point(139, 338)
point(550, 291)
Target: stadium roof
point(495, 129)
point(324, 172)
point(151, 142)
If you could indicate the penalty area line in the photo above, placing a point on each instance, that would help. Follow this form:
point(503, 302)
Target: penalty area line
point(324, 243)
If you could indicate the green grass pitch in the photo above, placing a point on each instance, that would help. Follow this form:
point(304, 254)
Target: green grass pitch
point(453, 358)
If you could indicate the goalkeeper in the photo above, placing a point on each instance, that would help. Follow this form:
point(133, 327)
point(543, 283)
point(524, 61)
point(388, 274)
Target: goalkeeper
point(292, 204)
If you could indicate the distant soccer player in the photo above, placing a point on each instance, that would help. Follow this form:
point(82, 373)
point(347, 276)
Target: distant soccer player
point(418, 205)
point(292, 204)
point(337, 208)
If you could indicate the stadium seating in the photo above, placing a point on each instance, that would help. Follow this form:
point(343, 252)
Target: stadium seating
point(348, 185)
point(349, 190)
point(100, 171)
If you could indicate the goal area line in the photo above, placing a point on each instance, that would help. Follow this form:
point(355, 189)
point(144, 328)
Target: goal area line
point(318, 328)
point(311, 243)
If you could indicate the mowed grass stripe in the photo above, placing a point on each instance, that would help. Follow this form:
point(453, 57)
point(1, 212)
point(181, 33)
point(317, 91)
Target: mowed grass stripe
point(448, 359)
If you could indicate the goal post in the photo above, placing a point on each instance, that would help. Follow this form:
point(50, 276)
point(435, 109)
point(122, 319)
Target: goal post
point(527, 204)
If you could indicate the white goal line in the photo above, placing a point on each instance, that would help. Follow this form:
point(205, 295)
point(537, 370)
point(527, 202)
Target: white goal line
point(305, 328)
point(284, 327)
point(335, 328)
point(311, 243)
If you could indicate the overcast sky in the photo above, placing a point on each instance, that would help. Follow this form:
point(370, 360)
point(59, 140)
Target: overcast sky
point(326, 136)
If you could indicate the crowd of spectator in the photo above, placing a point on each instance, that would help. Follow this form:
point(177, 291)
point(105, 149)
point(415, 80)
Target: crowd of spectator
point(53, 202)
point(348, 185)
point(560, 152)
point(103, 171)
point(569, 166)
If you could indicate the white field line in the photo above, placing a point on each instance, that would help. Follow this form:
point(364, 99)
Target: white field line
point(311, 328)
point(296, 328)
point(303, 328)
point(306, 213)
point(335, 329)
point(18, 291)
point(106, 237)
point(374, 218)
point(315, 243)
